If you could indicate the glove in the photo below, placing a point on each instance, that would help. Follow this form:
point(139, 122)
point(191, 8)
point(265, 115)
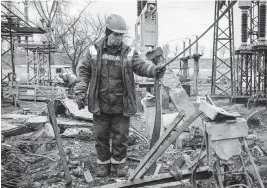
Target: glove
point(159, 71)
point(81, 101)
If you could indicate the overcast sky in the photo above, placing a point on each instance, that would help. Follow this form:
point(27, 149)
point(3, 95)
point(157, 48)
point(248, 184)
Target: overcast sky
point(177, 19)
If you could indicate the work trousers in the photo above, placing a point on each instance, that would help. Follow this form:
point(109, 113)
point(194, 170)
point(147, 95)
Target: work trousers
point(118, 125)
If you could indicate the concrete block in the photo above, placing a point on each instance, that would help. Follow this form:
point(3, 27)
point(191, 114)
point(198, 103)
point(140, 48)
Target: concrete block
point(222, 131)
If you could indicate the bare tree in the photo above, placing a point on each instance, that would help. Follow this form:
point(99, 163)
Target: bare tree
point(72, 34)
point(166, 49)
point(47, 14)
point(76, 39)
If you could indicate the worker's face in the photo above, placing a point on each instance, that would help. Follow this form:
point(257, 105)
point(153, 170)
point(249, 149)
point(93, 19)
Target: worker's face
point(115, 38)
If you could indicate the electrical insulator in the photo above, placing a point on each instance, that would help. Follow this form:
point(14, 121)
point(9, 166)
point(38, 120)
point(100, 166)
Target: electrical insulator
point(244, 6)
point(262, 20)
point(244, 26)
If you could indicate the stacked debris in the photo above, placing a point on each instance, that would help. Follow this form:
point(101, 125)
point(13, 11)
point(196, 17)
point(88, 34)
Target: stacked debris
point(234, 164)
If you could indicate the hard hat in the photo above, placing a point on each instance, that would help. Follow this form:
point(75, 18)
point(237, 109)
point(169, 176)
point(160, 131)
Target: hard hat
point(116, 24)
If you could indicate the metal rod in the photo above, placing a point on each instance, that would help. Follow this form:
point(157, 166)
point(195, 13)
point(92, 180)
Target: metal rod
point(205, 32)
point(253, 163)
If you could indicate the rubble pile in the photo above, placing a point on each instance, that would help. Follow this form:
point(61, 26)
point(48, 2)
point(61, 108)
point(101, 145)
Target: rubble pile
point(30, 156)
point(13, 166)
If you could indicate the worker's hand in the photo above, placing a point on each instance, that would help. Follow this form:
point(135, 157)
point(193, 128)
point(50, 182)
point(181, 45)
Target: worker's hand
point(159, 71)
point(81, 100)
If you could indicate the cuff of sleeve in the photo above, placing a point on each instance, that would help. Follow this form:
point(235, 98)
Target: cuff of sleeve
point(151, 71)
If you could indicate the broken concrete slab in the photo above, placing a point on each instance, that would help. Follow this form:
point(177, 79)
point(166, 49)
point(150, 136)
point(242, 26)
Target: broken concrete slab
point(226, 149)
point(72, 110)
point(216, 113)
point(27, 124)
point(17, 116)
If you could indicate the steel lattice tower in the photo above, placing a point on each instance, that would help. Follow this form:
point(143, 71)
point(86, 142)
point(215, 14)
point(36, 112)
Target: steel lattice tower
point(223, 51)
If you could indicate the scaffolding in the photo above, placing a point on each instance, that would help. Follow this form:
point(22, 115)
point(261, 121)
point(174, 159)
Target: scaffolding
point(13, 28)
point(38, 67)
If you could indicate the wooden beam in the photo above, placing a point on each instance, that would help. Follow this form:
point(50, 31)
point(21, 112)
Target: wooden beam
point(53, 120)
point(169, 136)
point(202, 173)
point(179, 97)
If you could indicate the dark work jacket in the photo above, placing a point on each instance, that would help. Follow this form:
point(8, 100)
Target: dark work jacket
point(89, 70)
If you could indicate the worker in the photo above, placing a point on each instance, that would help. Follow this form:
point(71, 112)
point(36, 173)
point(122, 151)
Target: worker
point(111, 96)
point(69, 79)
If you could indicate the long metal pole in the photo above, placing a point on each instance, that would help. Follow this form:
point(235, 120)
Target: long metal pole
point(205, 32)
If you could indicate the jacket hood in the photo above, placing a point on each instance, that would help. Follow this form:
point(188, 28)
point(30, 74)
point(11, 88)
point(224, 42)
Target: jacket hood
point(125, 48)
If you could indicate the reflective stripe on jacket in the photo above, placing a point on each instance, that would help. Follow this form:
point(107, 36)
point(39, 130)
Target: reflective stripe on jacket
point(88, 71)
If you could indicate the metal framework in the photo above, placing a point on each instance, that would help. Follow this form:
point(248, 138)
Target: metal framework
point(146, 27)
point(251, 62)
point(223, 42)
point(253, 14)
point(13, 28)
point(38, 69)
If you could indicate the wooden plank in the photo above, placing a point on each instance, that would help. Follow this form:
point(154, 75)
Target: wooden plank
point(157, 145)
point(202, 173)
point(168, 141)
point(168, 137)
point(67, 123)
point(53, 120)
point(179, 97)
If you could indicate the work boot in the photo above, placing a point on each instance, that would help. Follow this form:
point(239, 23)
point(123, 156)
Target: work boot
point(104, 170)
point(121, 170)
